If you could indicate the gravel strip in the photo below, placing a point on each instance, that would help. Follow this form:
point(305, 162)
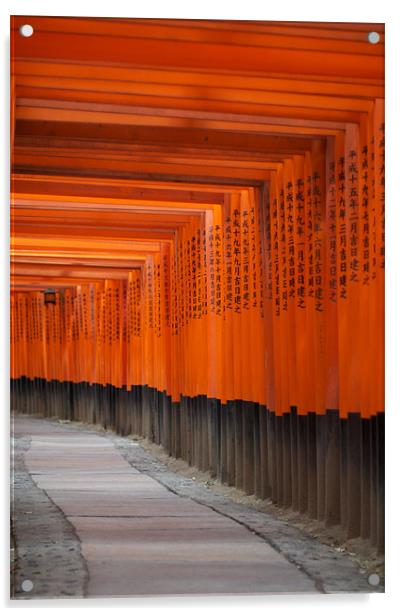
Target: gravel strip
point(47, 561)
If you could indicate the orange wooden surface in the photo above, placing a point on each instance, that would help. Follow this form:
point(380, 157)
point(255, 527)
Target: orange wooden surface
point(207, 198)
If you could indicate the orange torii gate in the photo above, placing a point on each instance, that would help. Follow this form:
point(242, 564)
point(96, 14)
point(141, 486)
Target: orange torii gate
point(209, 206)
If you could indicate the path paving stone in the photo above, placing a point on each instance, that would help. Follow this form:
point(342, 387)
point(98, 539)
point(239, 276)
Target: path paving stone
point(143, 530)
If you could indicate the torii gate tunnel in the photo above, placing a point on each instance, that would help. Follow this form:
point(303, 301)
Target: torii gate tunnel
point(198, 247)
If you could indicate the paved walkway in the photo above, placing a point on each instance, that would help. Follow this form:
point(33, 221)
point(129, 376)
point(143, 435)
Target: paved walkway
point(121, 532)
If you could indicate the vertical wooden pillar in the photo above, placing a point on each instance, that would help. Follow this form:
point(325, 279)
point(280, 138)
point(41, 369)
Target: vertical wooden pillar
point(224, 442)
point(354, 474)
point(231, 444)
point(257, 448)
point(239, 445)
point(302, 463)
point(380, 482)
point(271, 452)
point(278, 420)
point(311, 462)
point(365, 478)
point(265, 488)
point(321, 449)
point(287, 476)
point(248, 450)
point(294, 459)
point(332, 468)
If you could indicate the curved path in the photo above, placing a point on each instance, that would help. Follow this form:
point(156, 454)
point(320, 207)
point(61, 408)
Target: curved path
point(136, 536)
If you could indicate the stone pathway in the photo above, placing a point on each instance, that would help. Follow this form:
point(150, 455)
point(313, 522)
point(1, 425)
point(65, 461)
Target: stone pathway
point(126, 526)
point(48, 551)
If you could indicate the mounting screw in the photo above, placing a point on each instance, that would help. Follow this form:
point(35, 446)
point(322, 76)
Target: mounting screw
point(374, 579)
point(26, 30)
point(373, 37)
point(27, 585)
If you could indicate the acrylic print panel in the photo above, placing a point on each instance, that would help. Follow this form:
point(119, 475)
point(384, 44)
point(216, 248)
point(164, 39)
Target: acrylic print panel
point(197, 318)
